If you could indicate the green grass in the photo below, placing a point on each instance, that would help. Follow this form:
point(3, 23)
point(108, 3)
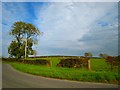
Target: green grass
point(100, 71)
point(54, 60)
point(99, 65)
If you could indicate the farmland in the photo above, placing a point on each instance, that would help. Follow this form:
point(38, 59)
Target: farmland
point(100, 70)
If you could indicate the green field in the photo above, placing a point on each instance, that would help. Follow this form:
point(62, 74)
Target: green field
point(100, 72)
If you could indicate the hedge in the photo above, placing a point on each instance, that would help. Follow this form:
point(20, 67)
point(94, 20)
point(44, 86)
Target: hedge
point(25, 61)
point(75, 62)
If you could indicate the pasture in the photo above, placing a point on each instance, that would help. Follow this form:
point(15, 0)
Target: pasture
point(100, 71)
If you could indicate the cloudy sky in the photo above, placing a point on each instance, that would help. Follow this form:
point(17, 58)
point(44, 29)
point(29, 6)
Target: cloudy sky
point(69, 28)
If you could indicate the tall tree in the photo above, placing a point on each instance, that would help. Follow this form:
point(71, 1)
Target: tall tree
point(25, 36)
point(103, 55)
point(88, 54)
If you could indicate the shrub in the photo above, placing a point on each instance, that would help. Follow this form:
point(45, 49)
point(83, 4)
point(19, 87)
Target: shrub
point(113, 61)
point(74, 62)
point(25, 61)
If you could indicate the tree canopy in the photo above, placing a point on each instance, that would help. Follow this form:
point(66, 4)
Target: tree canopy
point(88, 54)
point(25, 36)
point(103, 55)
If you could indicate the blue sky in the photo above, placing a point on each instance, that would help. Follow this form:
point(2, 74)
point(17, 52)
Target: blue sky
point(70, 28)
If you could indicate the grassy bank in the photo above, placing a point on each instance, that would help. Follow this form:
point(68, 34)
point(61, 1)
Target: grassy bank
point(100, 71)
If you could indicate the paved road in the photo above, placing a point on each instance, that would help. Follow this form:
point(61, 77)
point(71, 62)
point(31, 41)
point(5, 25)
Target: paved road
point(12, 78)
point(0, 74)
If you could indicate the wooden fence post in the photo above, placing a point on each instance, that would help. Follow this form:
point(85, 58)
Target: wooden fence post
point(89, 66)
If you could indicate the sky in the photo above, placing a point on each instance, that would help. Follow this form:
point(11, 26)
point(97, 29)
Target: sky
point(69, 28)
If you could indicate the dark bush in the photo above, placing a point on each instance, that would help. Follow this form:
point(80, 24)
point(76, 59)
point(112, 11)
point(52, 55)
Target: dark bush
point(113, 61)
point(25, 61)
point(9, 59)
point(74, 62)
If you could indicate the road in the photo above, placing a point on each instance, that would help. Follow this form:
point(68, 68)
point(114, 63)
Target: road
point(0, 74)
point(12, 78)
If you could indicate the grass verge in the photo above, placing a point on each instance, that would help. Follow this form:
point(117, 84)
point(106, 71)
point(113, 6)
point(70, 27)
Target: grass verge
point(69, 73)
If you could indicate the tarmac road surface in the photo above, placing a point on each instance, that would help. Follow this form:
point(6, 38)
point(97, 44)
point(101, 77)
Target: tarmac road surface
point(0, 74)
point(12, 78)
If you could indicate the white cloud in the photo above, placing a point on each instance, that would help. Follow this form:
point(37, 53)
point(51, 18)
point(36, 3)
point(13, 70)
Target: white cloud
point(59, 19)
point(70, 28)
point(64, 23)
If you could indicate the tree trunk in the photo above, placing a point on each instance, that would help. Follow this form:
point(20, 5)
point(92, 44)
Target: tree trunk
point(26, 48)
